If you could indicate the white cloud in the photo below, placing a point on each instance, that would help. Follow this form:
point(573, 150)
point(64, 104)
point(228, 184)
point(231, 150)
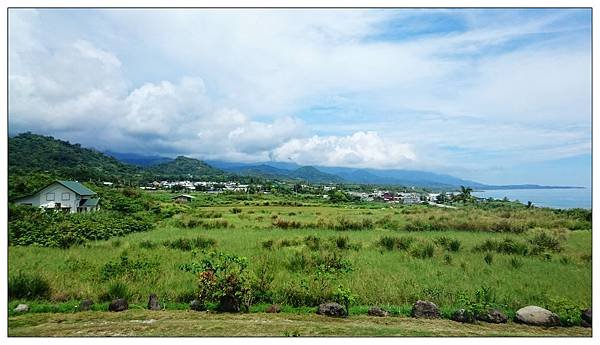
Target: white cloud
point(361, 149)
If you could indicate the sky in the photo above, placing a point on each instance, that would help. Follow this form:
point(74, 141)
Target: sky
point(499, 96)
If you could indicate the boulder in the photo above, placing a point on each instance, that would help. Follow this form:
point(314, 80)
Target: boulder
point(153, 302)
point(119, 304)
point(196, 305)
point(493, 316)
point(273, 308)
point(461, 316)
point(85, 305)
point(21, 308)
point(376, 311)
point(586, 318)
point(425, 309)
point(537, 316)
point(229, 304)
point(332, 309)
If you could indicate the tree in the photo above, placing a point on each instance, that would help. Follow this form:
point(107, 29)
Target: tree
point(465, 194)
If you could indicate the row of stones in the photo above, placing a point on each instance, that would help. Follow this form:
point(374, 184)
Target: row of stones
point(530, 315)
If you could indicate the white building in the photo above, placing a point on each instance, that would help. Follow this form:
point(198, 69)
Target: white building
point(66, 196)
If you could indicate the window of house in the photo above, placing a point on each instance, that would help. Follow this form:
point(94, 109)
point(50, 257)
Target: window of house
point(50, 197)
point(66, 196)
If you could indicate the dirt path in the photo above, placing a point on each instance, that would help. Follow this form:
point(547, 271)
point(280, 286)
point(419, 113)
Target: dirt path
point(188, 323)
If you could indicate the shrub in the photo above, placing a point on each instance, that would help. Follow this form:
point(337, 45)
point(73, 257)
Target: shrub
point(544, 241)
point(515, 262)
point(342, 242)
point(506, 246)
point(268, 244)
point(344, 297)
point(423, 251)
point(224, 280)
point(568, 313)
point(447, 243)
point(135, 269)
point(298, 261)
point(236, 210)
point(188, 244)
point(488, 258)
point(312, 242)
point(147, 244)
point(27, 286)
point(286, 224)
point(115, 290)
point(400, 243)
point(448, 259)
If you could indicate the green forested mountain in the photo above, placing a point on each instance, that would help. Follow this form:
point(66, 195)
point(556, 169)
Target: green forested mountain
point(35, 160)
point(29, 152)
point(184, 168)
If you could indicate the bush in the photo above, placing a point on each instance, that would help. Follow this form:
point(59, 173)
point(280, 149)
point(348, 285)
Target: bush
point(488, 258)
point(28, 286)
point(236, 210)
point(312, 242)
point(286, 224)
point(516, 263)
point(134, 269)
point(188, 244)
point(115, 290)
point(268, 244)
point(506, 246)
point(423, 251)
point(147, 244)
point(543, 241)
point(400, 243)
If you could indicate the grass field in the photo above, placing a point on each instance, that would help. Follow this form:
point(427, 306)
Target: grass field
point(189, 323)
point(378, 256)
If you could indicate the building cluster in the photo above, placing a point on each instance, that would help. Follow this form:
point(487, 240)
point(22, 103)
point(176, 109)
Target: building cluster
point(206, 186)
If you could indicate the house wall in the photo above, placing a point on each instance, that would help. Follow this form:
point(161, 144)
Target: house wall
point(58, 193)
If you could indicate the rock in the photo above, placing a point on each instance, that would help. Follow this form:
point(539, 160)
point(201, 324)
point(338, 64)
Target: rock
point(273, 308)
point(153, 302)
point(119, 304)
point(493, 316)
point(21, 308)
point(461, 316)
point(425, 309)
point(229, 304)
point(85, 305)
point(332, 309)
point(586, 318)
point(376, 311)
point(196, 305)
point(537, 316)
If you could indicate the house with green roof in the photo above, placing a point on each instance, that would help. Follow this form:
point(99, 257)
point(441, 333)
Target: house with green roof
point(65, 196)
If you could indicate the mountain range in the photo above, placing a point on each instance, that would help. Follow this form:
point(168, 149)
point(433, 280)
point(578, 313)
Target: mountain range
point(36, 153)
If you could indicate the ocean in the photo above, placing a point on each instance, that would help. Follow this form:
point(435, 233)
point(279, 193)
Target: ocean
point(555, 198)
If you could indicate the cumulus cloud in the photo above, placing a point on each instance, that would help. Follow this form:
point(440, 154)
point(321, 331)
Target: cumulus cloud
point(361, 149)
point(243, 84)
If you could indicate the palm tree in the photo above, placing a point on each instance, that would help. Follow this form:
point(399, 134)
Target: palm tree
point(465, 194)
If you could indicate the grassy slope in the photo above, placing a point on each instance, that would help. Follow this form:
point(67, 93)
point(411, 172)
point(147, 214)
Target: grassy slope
point(188, 323)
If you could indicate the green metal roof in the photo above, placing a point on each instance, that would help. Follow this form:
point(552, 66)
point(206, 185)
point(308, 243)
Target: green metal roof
point(91, 202)
point(77, 187)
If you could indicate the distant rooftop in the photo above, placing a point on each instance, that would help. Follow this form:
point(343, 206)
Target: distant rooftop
point(77, 188)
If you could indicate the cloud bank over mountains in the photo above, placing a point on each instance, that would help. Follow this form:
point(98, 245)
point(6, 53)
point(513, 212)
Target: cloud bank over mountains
point(460, 90)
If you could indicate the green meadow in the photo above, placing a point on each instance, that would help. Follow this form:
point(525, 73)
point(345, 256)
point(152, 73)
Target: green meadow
point(300, 253)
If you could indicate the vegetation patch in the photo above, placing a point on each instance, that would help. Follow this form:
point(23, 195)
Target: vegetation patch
point(28, 286)
point(188, 244)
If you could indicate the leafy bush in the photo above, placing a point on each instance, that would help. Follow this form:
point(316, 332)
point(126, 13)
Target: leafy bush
point(569, 313)
point(344, 297)
point(224, 280)
point(27, 286)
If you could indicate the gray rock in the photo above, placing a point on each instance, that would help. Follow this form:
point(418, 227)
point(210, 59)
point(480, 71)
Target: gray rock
point(586, 318)
point(537, 316)
point(376, 311)
point(273, 308)
point(153, 302)
point(197, 305)
point(21, 308)
point(493, 316)
point(461, 316)
point(85, 305)
point(332, 309)
point(119, 304)
point(425, 309)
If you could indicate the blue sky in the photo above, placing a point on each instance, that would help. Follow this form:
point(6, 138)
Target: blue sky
point(497, 96)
